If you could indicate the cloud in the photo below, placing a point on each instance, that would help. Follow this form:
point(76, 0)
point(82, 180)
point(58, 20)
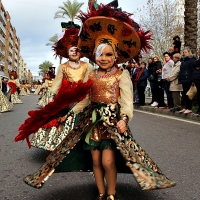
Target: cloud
point(35, 24)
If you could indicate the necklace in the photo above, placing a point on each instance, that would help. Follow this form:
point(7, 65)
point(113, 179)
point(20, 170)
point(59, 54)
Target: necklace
point(108, 73)
point(74, 65)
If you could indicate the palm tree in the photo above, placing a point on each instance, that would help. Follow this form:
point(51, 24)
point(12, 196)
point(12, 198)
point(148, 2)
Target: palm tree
point(69, 10)
point(52, 40)
point(190, 29)
point(44, 67)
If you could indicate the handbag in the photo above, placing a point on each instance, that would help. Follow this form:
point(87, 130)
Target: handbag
point(191, 92)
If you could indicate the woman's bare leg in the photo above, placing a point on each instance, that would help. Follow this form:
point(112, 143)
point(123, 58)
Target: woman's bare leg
point(108, 162)
point(98, 170)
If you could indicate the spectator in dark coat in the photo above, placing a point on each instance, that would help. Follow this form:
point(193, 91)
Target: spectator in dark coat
point(158, 92)
point(185, 77)
point(4, 86)
point(141, 77)
point(196, 79)
point(150, 72)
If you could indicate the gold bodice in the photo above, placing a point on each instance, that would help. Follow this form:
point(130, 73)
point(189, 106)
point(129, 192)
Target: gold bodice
point(50, 83)
point(74, 75)
point(105, 88)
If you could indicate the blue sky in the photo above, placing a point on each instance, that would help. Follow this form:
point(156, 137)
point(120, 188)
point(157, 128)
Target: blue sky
point(35, 24)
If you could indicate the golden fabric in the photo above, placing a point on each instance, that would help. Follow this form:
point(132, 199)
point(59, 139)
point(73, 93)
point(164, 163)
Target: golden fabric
point(74, 75)
point(99, 133)
point(105, 88)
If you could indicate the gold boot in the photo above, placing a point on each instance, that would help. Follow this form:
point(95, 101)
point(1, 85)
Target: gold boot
point(101, 197)
point(111, 197)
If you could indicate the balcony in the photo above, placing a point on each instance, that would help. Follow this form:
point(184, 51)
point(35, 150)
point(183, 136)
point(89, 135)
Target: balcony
point(11, 41)
point(3, 17)
point(2, 39)
point(2, 63)
point(10, 59)
point(11, 32)
point(9, 67)
point(2, 52)
point(10, 49)
point(3, 28)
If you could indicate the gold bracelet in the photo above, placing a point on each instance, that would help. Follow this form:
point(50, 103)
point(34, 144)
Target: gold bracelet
point(124, 118)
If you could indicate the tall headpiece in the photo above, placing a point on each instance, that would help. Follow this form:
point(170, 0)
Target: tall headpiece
point(13, 73)
point(69, 39)
point(114, 27)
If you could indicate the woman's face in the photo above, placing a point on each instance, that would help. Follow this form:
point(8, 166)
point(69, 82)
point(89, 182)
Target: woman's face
point(12, 77)
point(175, 59)
point(74, 55)
point(185, 52)
point(143, 65)
point(155, 59)
point(106, 59)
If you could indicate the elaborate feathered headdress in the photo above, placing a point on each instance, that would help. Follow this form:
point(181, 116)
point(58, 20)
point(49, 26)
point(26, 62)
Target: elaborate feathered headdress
point(13, 73)
point(69, 39)
point(109, 25)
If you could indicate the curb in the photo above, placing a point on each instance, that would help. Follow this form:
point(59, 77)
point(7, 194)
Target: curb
point(190, 116)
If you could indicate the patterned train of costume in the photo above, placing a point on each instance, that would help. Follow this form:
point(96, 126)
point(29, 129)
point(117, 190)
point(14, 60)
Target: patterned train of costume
point(97, 122)
point(5, 105)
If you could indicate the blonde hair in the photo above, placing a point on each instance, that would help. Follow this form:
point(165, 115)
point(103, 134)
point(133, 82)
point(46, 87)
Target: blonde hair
point(156, 57)
point(177, 55)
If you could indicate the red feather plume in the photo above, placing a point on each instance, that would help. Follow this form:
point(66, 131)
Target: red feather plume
point(13, 87)
point(68, 94)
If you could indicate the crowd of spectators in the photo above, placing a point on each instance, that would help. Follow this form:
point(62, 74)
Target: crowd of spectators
point(171, 79)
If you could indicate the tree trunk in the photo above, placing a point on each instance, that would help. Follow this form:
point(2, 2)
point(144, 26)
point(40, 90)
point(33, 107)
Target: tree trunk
point(190, 29)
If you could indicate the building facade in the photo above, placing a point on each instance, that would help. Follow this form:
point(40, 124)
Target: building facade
point(10, 57)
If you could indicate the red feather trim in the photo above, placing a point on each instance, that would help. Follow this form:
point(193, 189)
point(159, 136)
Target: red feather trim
point(50, 124)
point(13, 87)
point(109, 11)
point(69, 39)
point(68, 93)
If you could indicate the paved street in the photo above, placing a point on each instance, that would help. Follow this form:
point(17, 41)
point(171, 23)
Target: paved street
point(173, 144)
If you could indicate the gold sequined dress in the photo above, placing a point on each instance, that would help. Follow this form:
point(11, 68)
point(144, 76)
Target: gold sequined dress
point(50, 138)
point(38, 87)
point(44, 100)
point(110, 99)
point(23, 90)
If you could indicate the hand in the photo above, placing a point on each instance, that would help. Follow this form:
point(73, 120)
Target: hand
point(50, 99)
point(121, 126)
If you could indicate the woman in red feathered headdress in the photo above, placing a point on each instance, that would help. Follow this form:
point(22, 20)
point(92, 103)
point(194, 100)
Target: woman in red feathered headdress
point(14, 84)
point(51, 134)
point(102, 128)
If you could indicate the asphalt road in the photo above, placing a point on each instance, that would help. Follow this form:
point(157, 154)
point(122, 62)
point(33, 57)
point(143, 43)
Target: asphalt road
point(173, 144)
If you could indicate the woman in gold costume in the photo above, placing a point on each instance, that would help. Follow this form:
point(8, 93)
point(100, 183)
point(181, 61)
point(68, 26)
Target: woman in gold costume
point(37, 87)
point(13, 84)
point(101, 140)
point(5, 105)
point(74, 70)
point(46, 88)
point(23, 91)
